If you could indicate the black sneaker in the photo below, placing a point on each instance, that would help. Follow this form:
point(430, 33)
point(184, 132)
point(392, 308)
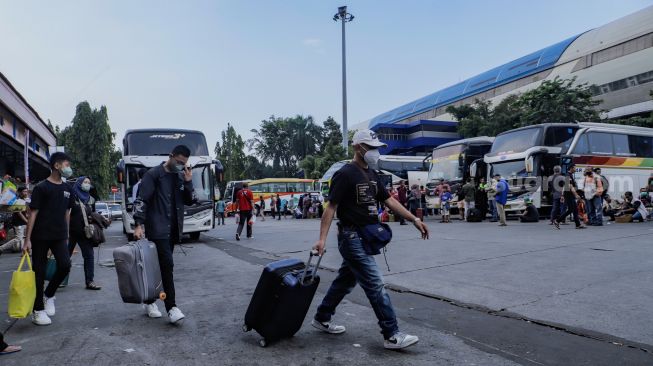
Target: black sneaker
point(238, 237)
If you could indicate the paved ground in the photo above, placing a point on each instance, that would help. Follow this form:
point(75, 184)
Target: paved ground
point(474, 293)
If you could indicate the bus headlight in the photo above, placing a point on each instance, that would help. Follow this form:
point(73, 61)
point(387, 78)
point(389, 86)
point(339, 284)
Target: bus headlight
point(202, 214)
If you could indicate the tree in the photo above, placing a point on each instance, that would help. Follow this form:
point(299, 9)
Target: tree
point(553, 101)
point(89, 142)
point(558, 100)
point(231, 152)
point(331, 133)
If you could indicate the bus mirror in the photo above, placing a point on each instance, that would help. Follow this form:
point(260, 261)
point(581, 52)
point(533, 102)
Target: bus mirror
point(529, 164)
point(218, 170)
point(120, 171)
point(472, 170)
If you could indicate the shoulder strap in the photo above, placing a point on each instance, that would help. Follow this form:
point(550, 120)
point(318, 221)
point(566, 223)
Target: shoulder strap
point(83, 207)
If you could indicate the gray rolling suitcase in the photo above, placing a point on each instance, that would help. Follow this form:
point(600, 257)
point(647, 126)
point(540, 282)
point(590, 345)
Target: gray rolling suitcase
point(139, 275)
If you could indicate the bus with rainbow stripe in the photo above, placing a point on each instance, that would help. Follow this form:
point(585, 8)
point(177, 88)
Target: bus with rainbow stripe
point(525, 157)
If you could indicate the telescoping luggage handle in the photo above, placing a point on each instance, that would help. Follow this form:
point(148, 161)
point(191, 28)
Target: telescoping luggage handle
point(314, 253)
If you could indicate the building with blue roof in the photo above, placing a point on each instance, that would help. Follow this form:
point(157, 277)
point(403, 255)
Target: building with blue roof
point(617, 59)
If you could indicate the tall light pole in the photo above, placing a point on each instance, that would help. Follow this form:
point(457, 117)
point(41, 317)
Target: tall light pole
point(344, 17)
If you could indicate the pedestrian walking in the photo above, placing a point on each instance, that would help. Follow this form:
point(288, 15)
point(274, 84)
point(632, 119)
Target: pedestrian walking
point(355, 193)
point(569, 198)
point(491, 190)
point(245, 201)
point(501, 198)
point(47, 230)
point(593, 189)
point(555, 185)
point(159, 213)
point(279, 207)
point(469, 195)
point(273, 206)
point(308, 203)
point(260, 210)
point(219, 208)
point(414, 199)
point(79, 219)
point(480, 198)
point(445, 203)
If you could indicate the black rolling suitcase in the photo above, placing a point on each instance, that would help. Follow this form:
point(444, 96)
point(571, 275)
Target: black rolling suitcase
point(282, 298)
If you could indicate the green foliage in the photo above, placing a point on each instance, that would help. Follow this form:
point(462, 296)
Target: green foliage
point(553, 101)
point(231, 152)
point(89, 142)
point(288, 142)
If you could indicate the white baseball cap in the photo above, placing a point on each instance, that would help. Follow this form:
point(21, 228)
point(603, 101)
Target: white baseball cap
point(367, 137)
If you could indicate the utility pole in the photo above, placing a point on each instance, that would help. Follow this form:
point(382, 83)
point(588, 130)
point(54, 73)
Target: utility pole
point(344, 17)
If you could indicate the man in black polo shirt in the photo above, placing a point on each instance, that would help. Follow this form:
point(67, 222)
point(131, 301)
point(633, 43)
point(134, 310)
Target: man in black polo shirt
point(162, 194)
point(355, 198)
point(47, 229)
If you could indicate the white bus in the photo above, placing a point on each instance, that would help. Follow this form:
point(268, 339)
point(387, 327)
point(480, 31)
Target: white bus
point(413, 169)
point(146, 148)
point(451, 162)
point(525, 157)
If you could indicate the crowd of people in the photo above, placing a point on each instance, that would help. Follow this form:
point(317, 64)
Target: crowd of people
point(586, 205)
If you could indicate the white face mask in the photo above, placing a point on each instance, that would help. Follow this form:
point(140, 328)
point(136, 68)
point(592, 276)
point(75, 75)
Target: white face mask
point(371, 157)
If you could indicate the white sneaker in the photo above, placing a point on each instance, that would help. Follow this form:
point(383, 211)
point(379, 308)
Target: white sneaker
point(175, 315)
point(152, 310)
point(328, 327)
point(49, 305)
point(40, 317)
point(400, 341)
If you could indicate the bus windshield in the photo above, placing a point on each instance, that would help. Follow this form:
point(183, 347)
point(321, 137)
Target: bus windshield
point(510, 169)
point(202, 182)
point(152, 143)
point(445, 163)
point(516, 141)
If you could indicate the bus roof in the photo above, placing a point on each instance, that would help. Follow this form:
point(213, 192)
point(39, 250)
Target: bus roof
point(481, 140)
point(607, 126)
point(281, 180)
point(160, 130)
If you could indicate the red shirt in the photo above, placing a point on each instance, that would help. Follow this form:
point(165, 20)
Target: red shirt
point(245, 196)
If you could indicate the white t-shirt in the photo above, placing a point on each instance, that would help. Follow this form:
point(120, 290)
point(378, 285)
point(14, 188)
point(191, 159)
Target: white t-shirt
point(641, 209)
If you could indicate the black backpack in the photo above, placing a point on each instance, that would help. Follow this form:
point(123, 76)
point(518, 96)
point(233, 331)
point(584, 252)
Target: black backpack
point(474, 215)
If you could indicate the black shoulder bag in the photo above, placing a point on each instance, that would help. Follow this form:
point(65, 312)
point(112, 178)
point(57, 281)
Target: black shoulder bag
point(374, 236)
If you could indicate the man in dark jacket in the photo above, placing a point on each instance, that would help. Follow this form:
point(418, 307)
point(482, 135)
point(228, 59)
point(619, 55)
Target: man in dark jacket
point(162, 195)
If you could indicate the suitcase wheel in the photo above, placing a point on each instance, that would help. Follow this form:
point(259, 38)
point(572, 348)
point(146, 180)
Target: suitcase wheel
point(162, 295)
point(246, 328)
point(263, 343)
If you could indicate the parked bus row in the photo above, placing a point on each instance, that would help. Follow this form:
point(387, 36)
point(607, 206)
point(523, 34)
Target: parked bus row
point(525, 157)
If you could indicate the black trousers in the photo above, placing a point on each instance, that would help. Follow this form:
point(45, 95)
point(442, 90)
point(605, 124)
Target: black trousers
point(245, 216)
point(572, 209)
point(3, 345)
point(164, 249)
point(87, 252)
point(59, 249)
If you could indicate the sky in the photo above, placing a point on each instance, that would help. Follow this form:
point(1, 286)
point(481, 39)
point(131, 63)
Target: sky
point(202, 64)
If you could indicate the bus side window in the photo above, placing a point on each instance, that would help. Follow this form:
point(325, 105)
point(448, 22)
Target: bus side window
point(255, 187)
point(621, 146)
point(600, 143)
point(641, 146)
point(293, 187)
point(581, 145)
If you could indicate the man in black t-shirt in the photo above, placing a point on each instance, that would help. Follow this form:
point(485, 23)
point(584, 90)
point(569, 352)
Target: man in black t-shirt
point(354, 194)
point(47, 229)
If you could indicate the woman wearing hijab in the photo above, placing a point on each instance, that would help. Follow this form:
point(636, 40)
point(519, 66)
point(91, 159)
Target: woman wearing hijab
point(77, 223)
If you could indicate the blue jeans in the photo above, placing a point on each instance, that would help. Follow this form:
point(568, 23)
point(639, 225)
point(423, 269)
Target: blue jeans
point(493, 209)
point(557, 209)
point(594, 208)
point(358, 267)
point(638, 216)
